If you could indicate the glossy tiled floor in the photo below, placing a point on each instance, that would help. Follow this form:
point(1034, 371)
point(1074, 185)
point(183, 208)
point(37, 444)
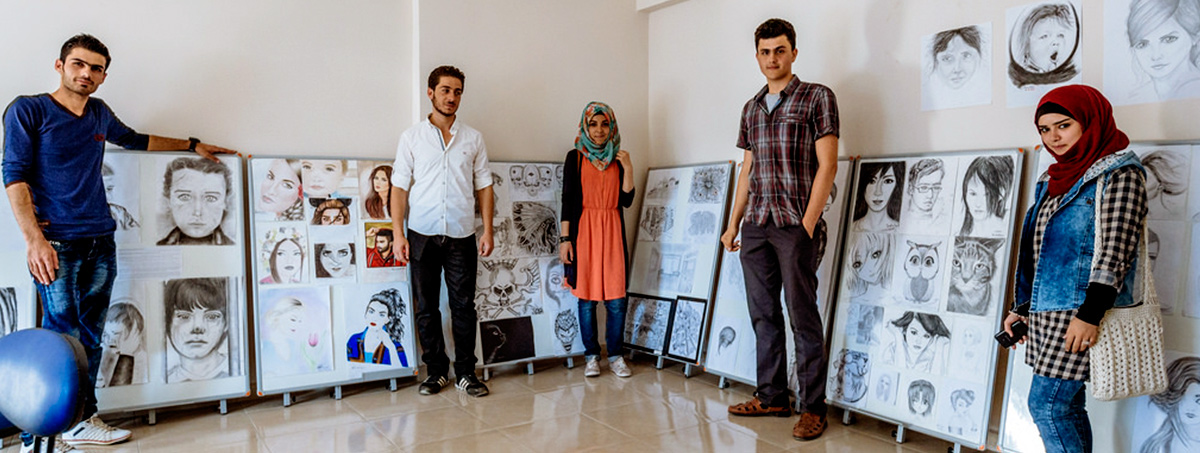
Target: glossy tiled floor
point(554, 410)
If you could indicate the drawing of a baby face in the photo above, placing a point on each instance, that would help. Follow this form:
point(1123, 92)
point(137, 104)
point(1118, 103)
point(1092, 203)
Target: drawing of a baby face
point(917, 338)
point(335, 258)
point(196, 333)
point(117, 338)
point(880, 189)
point(868, 263)
point(957, 63)
point(1163, 50)
point(926, 189)
point(280, 189)
point(197, 201)
point(976, 198)
point(321, 177)
point(289, 260)
point(1189, 406)
point(376, 315)
point(1049, 45)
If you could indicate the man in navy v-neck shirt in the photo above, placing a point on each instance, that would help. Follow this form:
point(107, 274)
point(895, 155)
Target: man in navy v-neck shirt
point(53, 155)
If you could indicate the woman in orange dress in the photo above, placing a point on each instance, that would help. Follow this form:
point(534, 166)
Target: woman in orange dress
point(597, 186)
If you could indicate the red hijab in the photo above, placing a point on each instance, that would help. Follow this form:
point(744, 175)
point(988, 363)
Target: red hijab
point(1100, 134)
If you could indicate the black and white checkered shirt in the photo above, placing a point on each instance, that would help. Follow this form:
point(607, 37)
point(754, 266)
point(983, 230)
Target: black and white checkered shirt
point(1123, 211)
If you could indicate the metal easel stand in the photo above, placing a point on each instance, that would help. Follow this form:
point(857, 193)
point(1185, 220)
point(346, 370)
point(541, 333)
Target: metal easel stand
point(570, 363)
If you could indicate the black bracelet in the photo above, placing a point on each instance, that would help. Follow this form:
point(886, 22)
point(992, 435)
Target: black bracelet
point(564, 240)
point(192, 142)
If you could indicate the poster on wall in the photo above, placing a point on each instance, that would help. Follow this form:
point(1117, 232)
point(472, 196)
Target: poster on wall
point(1150, 51)
point(525, 309)
point(679, 230)
point(333, 306)
point(732, 347)
point(1043, 49)
point(920, 295)
point(175, 331)
point(957, 67)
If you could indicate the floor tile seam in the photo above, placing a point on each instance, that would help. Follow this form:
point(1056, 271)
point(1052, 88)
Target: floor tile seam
point(447, 439)
point(261, 430)
point(788, 446)
point(661, 404)
point(606, 425)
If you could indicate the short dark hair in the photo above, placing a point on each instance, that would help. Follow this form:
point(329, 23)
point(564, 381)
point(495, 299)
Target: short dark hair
point(445, 71)
point(385, 232)
point(188, 294)
point(88, 42)
point(199, 164)
point(774, 28)
point(970, 35)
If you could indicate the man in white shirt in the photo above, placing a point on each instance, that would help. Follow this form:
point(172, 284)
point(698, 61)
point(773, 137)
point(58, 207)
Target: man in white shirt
point(441, 168)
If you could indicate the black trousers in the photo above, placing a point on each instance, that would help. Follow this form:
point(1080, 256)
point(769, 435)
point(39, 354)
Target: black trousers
point(776, 258)
point(458, 257)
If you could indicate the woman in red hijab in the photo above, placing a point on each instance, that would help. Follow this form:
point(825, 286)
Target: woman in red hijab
point(1078, 255)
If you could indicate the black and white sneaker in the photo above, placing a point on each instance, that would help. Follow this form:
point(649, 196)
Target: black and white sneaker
point(470, 384)
point(433, 384)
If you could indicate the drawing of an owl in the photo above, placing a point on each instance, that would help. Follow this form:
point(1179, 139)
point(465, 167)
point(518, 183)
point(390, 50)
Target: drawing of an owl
point(921, 265)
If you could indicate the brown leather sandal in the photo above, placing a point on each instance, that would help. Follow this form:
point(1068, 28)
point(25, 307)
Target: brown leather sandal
point(755, 408)
point(810, 426)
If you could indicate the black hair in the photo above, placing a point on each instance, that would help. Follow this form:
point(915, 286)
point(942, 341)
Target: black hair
point(192, 293)
point(385, 232)
point(932, 323)
point(87, 42)
point(198, 164)
point(774, 28)
point(969, 35)
point(869, 171)
point(996, 174)
point(446, 71)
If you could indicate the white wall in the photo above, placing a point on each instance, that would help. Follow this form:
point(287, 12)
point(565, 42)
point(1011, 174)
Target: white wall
point(266, 77)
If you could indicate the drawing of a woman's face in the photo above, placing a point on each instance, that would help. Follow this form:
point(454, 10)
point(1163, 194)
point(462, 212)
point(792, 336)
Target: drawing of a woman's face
point(289, 261)
point(379, 182)
point(335, 258)
point(291, 322)
point(197, 201)
point(868, 263)
point(321, 177)
point(334, 216)
point(197, 332)
point(1049, 45)
point(917, 338)
point(280, 189)
point(926, 189)
point(1164, 50)
point(376, 315)
point(918, 404)
point(961, 406)
point(976, 199)
point(880, 189)
point(957, 63)
point(1189, 406)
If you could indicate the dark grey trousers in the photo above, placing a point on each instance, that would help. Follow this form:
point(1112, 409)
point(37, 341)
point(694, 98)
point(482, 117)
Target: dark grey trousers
point(458, 257)
point(782, 258)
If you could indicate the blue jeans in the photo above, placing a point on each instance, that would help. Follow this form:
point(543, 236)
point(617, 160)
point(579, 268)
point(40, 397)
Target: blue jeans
point(76, 301)
point(1057, 407)
point(614, 334)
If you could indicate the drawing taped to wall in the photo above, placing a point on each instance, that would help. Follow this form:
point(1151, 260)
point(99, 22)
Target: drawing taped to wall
point(330, 211)
point(1166, 261)
point(557, 295)
point(1043, 49)
point(1167, 421)
point(295, 332)
point(969, 349)
point(566, 329)
point(508, 288)
point(533, 181)
point(885, 383)
point(328, 178)
point(869, 271)
point(1151, 50)
point(959, 409)
point(865, 324)
point(922, 396)
point(506, 340)
point(709, 184)
point(121, 175)
point(972, 270)
point(335, 261)
point(123, 356)
point(375, 189)
point(687, 328)
point(197, 199)
point(8, 311)
point(1167, 172)
point(928, 196)
point(919, 342)
point(646, 322)
point(957, 67)
point(536, 227)
point(922, 269)
point(198, 341)
point(985, 202)
point(879, 198)
point(848, 382)
point(282, 256)
point(279, 195)
point(657, 223)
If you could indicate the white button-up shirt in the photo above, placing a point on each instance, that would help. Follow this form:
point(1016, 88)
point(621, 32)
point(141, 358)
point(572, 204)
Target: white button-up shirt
point(441, 177)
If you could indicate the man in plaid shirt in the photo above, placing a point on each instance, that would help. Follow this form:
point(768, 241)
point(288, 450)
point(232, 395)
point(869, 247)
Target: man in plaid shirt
point(789, 134)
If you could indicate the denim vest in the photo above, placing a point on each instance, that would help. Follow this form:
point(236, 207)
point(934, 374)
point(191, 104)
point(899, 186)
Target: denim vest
point(1064, 264)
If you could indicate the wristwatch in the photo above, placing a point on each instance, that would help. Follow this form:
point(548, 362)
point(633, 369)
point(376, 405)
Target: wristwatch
point(192, 142)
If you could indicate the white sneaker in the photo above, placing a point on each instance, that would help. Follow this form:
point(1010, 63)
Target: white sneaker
point(593, 367)
point(59, 447)
point(619, 367)
point(94, 431)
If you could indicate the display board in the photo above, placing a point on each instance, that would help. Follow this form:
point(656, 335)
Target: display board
point(732, 346)
point(175, 331)
point(333, 305)
point(525, 310)
point(678, 238)
point(17, 295)
point(927, 256)
point(1173, 222)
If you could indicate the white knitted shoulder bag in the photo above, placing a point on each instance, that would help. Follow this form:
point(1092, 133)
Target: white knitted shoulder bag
point(1127, 359)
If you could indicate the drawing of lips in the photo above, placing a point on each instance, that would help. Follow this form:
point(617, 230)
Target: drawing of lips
point(313, 339)
point(372, 324)
point(197, 343)
point(267, 199)
point(1158, 67)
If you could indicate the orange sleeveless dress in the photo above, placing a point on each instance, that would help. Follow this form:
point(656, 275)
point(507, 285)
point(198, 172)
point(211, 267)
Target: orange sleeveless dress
point(599, 248)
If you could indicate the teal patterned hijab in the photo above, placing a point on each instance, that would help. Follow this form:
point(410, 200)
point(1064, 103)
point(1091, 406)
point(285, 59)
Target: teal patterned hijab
point(599, 154)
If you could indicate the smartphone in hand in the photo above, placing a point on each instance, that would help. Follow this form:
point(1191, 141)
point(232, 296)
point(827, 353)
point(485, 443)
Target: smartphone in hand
point(1019, 330)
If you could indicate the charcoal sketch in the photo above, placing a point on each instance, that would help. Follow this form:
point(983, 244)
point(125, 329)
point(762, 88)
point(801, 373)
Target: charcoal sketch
point(957, 68)
point(849, 380)
point(566, 329)
point(197, 312)
point(507, 288)
point(536, 227)
point(555, 289)
point(1163, 39)
point(1166, 181)
point(920, 342)
point(123, 357)
point(1043, 44)
point(927, 204)
point(870, 272)
point(8, 311)
point(879, 197)
point(702, 223)
point(885, 387)
point(1167, 259)
point(922, 264)
point(921, 398)
point(197, 197)
point(646, 324)
point(985, 189)
point(960, 421)
point(122, 198)
point(506, 340)
point(1178, 408)
point(536, 180)
point(663, 188)
point(503, 237)
point(722, 356)
point(670, 268)
point(709, 185)
point(657, 222)
point(970, 350)
point(686, 326)
point(335, 260)
point(971, 272)
point(863, 324)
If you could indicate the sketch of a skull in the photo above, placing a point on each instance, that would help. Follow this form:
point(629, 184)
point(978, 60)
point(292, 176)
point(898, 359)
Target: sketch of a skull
point(506, 287)
point(535, 179)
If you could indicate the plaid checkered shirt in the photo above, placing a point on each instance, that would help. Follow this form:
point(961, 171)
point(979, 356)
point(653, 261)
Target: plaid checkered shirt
point(784, 141)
